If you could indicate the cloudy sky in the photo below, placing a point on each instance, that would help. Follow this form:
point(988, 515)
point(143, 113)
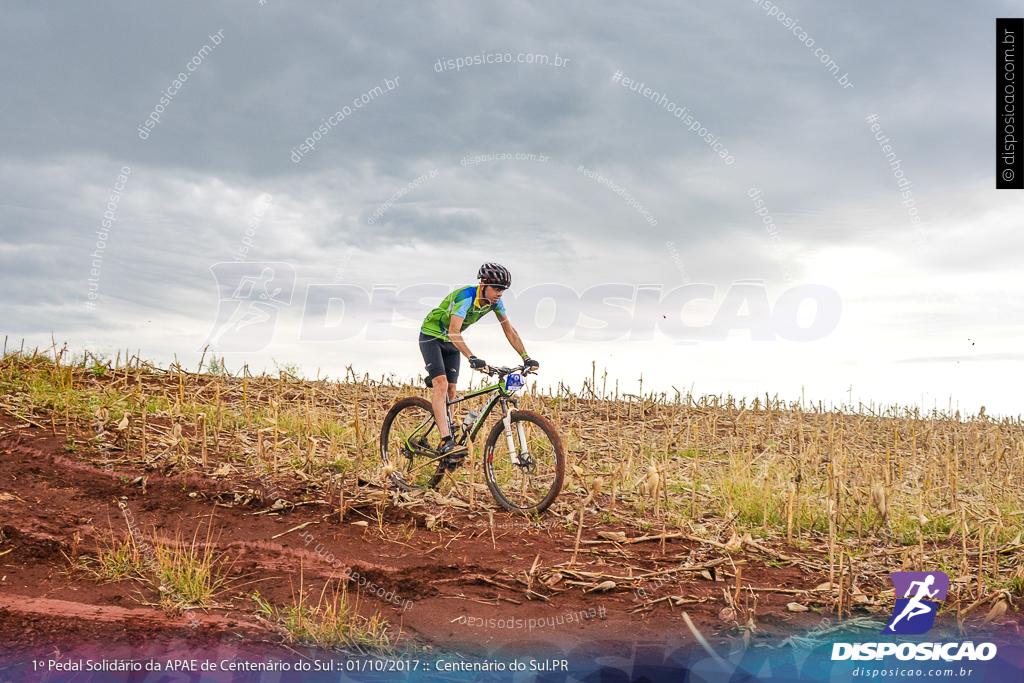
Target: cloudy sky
point(929, 311)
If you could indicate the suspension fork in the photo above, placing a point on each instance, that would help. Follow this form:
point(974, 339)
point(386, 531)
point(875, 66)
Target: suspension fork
point(524, 453)
point(507, 420)
point(512, 449)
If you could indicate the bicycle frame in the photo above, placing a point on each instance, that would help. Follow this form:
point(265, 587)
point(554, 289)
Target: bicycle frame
point(500, 396)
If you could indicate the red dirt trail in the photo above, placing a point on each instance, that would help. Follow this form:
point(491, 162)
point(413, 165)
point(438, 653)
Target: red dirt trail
point(448, 578)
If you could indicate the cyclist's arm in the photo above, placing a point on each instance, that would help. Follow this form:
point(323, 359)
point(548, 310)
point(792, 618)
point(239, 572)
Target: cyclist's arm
point(455, 334)
point(511, 334)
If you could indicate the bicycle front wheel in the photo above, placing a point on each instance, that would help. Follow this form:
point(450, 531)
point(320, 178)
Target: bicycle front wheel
point(408, 440)
point(529, 479)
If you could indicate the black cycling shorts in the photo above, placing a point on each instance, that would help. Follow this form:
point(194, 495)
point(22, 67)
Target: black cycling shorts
point(442, 358)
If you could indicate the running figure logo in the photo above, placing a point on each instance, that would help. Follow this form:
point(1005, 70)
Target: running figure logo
point(915, 611)
point(250, 295)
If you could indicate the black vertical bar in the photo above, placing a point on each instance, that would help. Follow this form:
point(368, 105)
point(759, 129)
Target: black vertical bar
point(1009, 136)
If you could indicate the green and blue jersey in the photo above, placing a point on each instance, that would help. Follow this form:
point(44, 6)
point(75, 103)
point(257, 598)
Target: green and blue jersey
point(468, 303)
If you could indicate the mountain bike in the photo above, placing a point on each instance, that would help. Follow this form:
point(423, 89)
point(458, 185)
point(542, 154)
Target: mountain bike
point(523, 458)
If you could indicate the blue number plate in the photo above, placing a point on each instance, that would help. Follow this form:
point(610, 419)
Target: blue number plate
point(513, 382)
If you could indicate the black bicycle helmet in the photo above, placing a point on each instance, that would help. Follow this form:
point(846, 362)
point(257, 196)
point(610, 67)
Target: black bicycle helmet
point(495, 275)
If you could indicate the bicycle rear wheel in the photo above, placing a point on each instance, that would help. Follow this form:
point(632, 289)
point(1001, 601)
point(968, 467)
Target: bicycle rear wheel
point(408, 439)
point(531, 484)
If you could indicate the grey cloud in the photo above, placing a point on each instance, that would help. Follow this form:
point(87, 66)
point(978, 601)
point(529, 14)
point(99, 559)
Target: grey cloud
point(83, 78)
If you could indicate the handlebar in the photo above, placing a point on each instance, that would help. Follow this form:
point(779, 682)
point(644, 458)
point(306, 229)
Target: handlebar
point(503, 371)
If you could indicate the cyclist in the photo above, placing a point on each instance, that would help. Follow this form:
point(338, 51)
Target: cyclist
point(441, 339)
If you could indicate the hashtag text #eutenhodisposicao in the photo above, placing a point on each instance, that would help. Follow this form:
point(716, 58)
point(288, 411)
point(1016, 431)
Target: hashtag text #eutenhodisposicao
point(621, 191)
point(678, 112)
point(530, 624)
point(102, 233)
point(902, 183)
point(149, 558)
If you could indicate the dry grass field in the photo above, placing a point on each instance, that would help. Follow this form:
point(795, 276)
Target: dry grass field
point(753, 515)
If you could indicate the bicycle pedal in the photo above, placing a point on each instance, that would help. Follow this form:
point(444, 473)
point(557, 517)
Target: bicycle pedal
point(451, 462)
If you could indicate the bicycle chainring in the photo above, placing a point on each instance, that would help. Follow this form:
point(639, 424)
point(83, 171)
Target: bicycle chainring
point(452, 462)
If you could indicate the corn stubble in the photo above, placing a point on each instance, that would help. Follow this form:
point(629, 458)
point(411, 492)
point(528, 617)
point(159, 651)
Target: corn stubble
point(939, 489)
